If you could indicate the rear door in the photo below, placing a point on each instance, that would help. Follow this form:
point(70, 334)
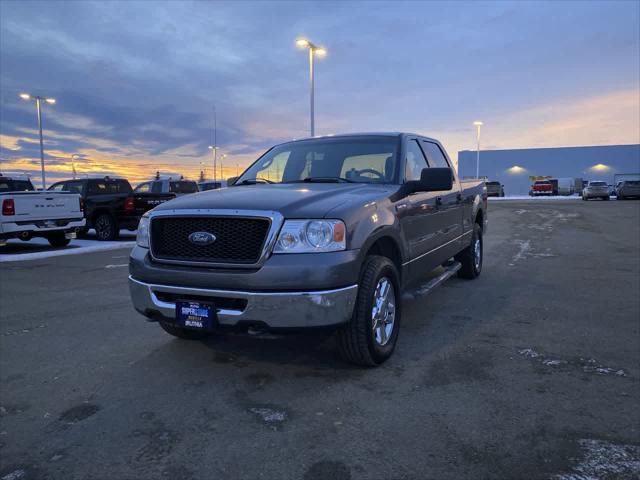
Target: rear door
point(449, 203)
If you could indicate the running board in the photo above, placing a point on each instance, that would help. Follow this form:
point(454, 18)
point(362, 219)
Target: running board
point(450, 270)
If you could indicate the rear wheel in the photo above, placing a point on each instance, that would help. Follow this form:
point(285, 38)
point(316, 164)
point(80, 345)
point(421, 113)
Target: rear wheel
point(106, 228)
point(471, 257)
point(58, 239)
point(183, 333)
point(370, 337)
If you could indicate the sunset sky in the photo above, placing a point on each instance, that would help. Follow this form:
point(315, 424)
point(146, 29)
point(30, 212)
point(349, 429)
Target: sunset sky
point(136, 82)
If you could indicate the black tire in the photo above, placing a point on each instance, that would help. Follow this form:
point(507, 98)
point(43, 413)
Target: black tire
point(58, 240)
point(605, 198)
point(183, 333)
point(470, 268)
point(356, 340)
point(106, 227)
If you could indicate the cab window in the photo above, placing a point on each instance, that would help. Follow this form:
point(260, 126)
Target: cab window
point(414, 162)
point(435, 155)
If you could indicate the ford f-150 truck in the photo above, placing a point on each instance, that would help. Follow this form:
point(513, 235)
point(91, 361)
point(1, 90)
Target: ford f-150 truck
point(27, 213)
point(110, 203)
point(321, 232)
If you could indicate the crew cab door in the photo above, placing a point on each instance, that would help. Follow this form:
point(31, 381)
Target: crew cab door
point(449, 203)
point(431, 221)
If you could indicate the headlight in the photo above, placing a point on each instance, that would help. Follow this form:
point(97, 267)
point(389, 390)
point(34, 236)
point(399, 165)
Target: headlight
point(306, 236)
point(142, 238)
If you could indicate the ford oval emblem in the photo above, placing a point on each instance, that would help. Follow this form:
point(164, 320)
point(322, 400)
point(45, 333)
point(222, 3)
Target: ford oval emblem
point(202, 238)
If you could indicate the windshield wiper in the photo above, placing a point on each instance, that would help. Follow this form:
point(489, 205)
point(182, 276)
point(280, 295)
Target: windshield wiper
point(327, 180)
point(253, 181)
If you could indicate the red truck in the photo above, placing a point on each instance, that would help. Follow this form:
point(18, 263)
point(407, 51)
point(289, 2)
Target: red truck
point(541, 187)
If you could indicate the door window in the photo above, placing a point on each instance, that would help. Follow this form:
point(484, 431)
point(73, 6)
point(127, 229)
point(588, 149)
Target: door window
point(415, 161)
point(435, 155)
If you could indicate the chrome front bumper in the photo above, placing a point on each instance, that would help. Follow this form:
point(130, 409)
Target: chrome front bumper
point(274, 309)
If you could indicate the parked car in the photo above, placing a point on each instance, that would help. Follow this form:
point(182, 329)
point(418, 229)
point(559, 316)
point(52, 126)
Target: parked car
point(27, 213)
point(178, 187)
point(211, 185)
point(350, 222)
point(541, 187)
point(110, 203)
point(627, 189)
point(495, 189)
point(596, 189)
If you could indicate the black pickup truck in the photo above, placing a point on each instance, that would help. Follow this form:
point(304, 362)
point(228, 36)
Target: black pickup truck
point(321, 232)
point(110, 204)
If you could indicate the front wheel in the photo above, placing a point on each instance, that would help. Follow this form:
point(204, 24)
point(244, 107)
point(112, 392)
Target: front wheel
point(471, 257)
point(370, 337)
point(183, 333)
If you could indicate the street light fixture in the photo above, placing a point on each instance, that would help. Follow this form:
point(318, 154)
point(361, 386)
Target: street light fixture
point(478, 124)
point(38, 99)
point(313, 50)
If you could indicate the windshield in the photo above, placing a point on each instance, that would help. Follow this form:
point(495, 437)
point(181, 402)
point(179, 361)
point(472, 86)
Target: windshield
point(352, 159)
point(543, 182)
point(598, 184)
point(495, 184)
point(16, 185)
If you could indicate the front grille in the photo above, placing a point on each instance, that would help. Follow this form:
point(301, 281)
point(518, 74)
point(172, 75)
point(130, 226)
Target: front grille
point(239, 240)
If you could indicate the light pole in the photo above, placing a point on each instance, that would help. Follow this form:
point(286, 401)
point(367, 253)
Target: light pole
point(222, 157)
point(313, 50)
point(51, 101)
point(213, 148)
point(478, 124)
point(73, 164)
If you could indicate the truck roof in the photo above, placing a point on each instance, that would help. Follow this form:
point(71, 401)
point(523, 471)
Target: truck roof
point(360, 134)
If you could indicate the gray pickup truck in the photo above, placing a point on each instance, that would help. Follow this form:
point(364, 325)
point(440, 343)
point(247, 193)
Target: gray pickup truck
point(321, 232)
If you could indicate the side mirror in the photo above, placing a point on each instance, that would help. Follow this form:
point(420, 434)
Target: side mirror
point(432, 180)
point(231, 181)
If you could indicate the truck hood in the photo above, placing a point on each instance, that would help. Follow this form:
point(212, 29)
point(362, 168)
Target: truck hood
point(292, 200)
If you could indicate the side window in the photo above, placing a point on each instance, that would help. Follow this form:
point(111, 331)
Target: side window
point(75, 187)
point(57, 187)
point(435, 155)
point(415, 161)
point(156, 187)
point(143, 187)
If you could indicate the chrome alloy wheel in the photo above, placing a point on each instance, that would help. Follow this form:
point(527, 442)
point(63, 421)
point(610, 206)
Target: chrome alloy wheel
point(383, 313)
point(477, 253)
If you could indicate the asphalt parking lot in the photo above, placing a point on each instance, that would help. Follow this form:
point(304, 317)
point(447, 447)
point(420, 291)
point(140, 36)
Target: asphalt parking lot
point(531, 371)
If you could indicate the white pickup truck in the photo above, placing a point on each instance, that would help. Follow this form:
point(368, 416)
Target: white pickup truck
point(27, 213)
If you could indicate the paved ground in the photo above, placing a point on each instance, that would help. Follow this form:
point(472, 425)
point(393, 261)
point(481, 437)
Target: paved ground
point(531, 371)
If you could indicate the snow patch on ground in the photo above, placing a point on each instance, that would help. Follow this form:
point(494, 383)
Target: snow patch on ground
point(15, 475)
point(20, 251)
point(269, 415)
point(527, 197)
point(603, 460)
point(587, 365)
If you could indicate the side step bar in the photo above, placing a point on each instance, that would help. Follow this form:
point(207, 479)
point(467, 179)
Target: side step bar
point(451, 269)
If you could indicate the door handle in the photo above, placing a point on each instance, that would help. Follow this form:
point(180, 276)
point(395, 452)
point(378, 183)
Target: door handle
point(439, 201)
point(459, 197)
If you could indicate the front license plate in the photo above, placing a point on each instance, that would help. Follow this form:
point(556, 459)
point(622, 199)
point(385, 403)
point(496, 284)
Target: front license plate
point(196, 315)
